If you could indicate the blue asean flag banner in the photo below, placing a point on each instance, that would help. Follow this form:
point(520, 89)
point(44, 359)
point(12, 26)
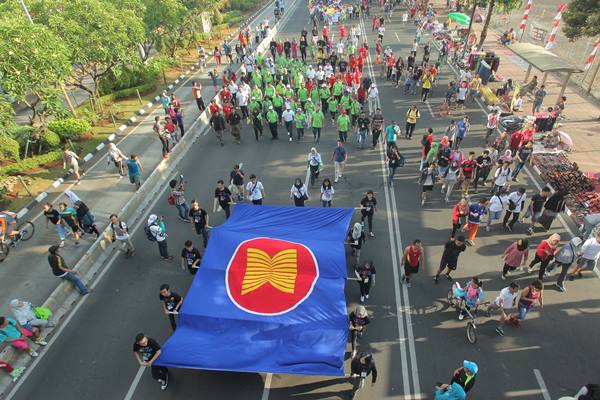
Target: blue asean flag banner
point(269, 295)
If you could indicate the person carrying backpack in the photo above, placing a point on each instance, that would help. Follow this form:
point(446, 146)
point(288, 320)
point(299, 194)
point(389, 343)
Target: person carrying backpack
point(155, 232)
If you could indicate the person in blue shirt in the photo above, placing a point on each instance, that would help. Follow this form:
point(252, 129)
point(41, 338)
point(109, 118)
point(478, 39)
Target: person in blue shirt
point(134, 167)
point(476, 211)
point(472, 293)
point(462, 128)
point(450, 392)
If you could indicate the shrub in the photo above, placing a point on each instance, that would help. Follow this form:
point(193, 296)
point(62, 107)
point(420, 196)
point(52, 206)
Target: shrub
point(69, 128)
point(242, 5)
point(127, 77)
point(9, 148)
point(217, 18)
point(50, 140)
point(130, 92)
point(22, 166)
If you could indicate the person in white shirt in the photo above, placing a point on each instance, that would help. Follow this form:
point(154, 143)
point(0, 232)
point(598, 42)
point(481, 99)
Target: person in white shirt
point(518, 104)
point(310, 72)
point(328, 70)
point(516, 200)
point(155, 227)
point(498, 203)
point(242, 101)
point(255, 191)
point(340, 48)
point(116, 156)
point(492, 122)
point(381, 32)
point(299, 193)
point(506, 301)
point(372, 97)
point(288, 119)
point(120, 234)
point(320, 74)
point(590, 252)
point(327, 192)
point(502, 177)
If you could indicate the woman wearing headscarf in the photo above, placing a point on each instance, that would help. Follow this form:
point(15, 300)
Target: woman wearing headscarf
point(544, 254)
point(356, 238)
point(299, 193)
point(24, 315)
point(84, 215)
point(428, 178)
point(432, 153)
point(450, 177)
point(514, 256)
point(506, 157)
point(553, 206)
point(314, 164)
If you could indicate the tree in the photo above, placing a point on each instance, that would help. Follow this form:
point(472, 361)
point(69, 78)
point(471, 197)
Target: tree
point(504, 6)
point(165, 22)
point(99, 37)
point(32, 62)
point(582, 18)
point(7, 115)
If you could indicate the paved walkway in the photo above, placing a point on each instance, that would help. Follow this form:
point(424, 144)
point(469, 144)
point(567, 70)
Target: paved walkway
point(25, 273)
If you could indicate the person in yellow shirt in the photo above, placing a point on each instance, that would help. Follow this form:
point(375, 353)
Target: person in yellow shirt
point(412, 115)
point(474, 86)
point(426, 82)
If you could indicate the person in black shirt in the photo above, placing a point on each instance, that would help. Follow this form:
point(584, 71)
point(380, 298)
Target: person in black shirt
point(222, 198)
point(53, 217)
point(452, 250)
point(190, 257)
point(365, 273)
point(236, 177)
point(359, 319)
point(343, 65)
point(60, 270)
point(273, 47)
point(217, 122)
point(465, 375)
point(368, 207)
point(522, 157)
point(234, 122)
point(146, 351)
point(484, 166)
point(287, 47)
point(361, 366)
point(536, 206)
point(199, 218)
point(171, 303)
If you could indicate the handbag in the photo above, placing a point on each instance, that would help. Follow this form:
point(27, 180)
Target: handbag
point(43, 313)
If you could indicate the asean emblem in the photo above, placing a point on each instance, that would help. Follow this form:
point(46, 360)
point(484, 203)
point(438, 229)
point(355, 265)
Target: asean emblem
point(270, 276)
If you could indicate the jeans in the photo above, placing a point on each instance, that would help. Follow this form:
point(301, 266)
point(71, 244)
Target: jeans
point(76, 280)
point(183, 210)
point(61, 231)
point(326, 203)
point(493, 215)
point(162, 249)
point(372, 105)
point(362, 137)
point(410, 127)
point(523, 310)
point(317, 133)
point(204, 233)
point(518, 168)
point(376, 133)
point(392, 173)
point(563, 273)
point(338, 168)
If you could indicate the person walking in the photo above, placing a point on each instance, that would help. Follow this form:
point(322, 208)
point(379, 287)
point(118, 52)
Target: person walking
point(412, 259)
point(368, 206)
point(450, 178)
point(162, 135)
point(70, 159)
point(156, 232)
point(120, 234)
point(288, 119)
point(339, 157)
point(515, 256)
point(372, 97)
point(476, 212)
point(502, 177)
point(60, 269)
point(53, 217)
point(68, 215)
point(236, 182)
point(536, 205)
point(394, 160)
point(365, 274)
point(317, 119)
point(197, 93)
point(516, 202)
point(171, 303)
point(462, 129)
point(564, 258)
point(391, 135)
point(361, 367)
point(412, 116)
point(314, 163)
point(590, 252)
point(178, 198)
point(146, 351)
point(299, 193)
point(553, 206)
point(223, 198)
point(356, 238)
point(116, 156)
point(484, 166)
point(427, 180)
point(134, 169)
point(505, 303)
point(359, 319)
point(498, 203)
point(544, 254)
point(538, 99)
point(467, 170)
point(190, 257)
point(327, 192)
point(465, 376)
point(199, 218)
point(255, 191)
point(363, 124)
point(530, 297)
point(490, 127)
point(459, 216)
point(218, 123)
point(449, 261)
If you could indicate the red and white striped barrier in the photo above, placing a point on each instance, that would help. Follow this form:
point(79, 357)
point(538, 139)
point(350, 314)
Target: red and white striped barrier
point(525, 16)
point(555, 24)
point(590, 60)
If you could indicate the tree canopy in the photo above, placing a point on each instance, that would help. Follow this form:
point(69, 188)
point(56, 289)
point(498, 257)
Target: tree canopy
point(581, 19)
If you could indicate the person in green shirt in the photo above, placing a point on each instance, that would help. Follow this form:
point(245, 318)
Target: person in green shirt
point(343, 124)
point(345, 102)
point(317, 123)
point(302, 95)
point(338, 88)
point(272, 119)
point(278, 105)
point(309, 107)
point(324, 95)
point(354, 111)
point(314, 96)
point(257, 93)
point(332, 105)
point(300, 123)
point(269, 91)
point(266, 105)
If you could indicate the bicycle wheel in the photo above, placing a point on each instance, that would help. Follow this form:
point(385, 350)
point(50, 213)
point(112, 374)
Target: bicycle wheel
point(471, 332)
point(26, 229)
point(450, 298)
point(4, 249)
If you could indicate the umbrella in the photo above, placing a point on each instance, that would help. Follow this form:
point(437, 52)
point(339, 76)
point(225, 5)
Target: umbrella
point(459, 18)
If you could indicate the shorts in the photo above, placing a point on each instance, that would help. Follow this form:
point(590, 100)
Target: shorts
point(135, 179)
point(409, 269)
point(586, 263)
point(450, 264)
point(427, 188)
point(535, 216)
point(75, 166)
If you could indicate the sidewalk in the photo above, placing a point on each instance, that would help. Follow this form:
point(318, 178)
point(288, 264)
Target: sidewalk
point(582, 113)
point(25, 274)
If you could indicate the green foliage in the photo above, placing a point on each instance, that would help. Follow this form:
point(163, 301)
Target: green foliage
point(125, 77)
point(217, 18)
point(130, 92)
point(581, 19)
point(69, 128)
point(232, 17)
point(9, 148)
point(243, 5)
point(21, 134)
point(7, 114)
point(50, 140)
point(23, 166)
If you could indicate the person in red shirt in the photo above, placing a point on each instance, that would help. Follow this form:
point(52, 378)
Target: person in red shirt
point(515, 141)
point(348, 78)
point(342, 31)
point(544, 254)
point(227, 111)
point(389, 63)
point(352, 62)
point(361, 95)
point(361, 63)
point(331, 80)
point(309, 86)
point(375, 23)
point(214, 107)
point(225, 95)
point(325, 32)
point(412, 258)
point(170, 128)
point(528, 133)
point(279, 48)
point(363, 51)
point(467, 169)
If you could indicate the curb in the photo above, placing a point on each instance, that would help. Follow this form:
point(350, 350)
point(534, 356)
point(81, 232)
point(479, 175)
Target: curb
point(132, 121)
point(94, 259)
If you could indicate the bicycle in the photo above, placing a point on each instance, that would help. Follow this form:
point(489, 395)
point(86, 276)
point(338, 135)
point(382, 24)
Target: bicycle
point(459, 304)
point(25, 229)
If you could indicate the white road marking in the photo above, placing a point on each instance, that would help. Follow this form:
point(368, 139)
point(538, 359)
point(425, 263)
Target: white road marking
point(542, 384)
point(267, 389)
point(430, 109)
point(135, 383)
point(397, 37)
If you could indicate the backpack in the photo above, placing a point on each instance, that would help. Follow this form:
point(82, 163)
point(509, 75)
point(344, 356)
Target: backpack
point(149, 235)
point(424, 141)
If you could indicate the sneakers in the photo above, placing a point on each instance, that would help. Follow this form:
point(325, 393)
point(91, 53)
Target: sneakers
point(335, 180)
point(461, 317)
point(367, 297)
point(371, 234)
point(362, 299)
point(40, 342)
point(61, 244)
point(500, 331)
point(503, 277)
point(529, 270)
point(560, 287)
point(529, 231)
point(33, 353)
point(408, 284)
point(435, 279)
point(353, 353)
point(16, 373)
point(163, 384)
point(448, 277)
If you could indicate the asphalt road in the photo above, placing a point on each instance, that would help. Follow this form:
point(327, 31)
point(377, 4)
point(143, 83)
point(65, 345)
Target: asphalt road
point(415, 338)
